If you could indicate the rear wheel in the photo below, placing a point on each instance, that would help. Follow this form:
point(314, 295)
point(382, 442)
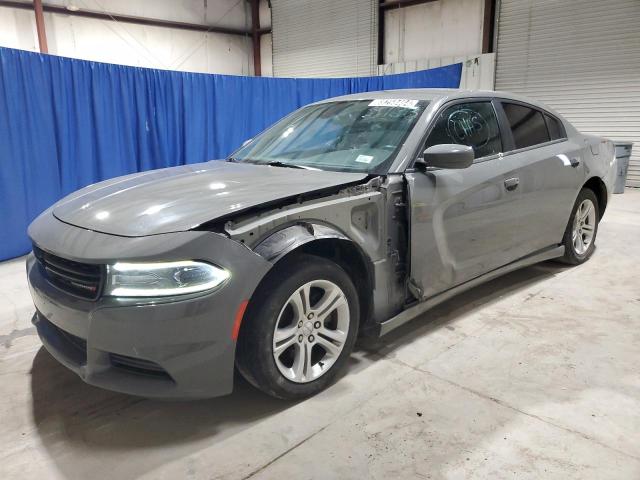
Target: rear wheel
point(580, 235)
point(299, 328)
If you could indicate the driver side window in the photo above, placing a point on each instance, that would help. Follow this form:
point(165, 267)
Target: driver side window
point(473, 124)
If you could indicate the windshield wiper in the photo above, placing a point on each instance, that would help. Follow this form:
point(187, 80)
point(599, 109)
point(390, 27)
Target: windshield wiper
point(288, 165)
point(274, 163)
point(242, 160)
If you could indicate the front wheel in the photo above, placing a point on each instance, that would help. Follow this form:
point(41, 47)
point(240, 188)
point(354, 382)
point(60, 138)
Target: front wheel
point(299, 329)
point(580, 236)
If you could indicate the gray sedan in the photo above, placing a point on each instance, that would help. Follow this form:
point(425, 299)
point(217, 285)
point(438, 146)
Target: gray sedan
point(348, 217)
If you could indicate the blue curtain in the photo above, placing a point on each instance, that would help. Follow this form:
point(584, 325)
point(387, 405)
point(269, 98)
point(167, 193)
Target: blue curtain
point(66, 123)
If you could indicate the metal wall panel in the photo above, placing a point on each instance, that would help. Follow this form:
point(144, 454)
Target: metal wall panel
point(324, 38)
point(477, 70)
point(581, 57)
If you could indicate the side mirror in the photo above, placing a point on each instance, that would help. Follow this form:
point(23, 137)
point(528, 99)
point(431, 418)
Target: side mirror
point(447, 156)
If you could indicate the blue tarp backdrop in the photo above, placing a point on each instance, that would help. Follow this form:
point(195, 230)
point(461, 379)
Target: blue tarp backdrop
point(66, 123)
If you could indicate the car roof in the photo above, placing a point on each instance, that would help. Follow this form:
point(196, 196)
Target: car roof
point(432, 94)
point(408, 93)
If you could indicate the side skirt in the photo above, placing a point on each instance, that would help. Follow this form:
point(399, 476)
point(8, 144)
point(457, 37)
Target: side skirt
point(416, 310)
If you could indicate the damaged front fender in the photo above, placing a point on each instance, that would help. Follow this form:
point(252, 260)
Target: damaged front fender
point(278, 244)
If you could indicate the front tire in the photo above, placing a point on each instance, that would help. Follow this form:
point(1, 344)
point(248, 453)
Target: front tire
point(299, 329)
point(580, 235)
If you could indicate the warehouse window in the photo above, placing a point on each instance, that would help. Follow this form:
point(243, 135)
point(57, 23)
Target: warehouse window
point(527, 124)
point(554, 126)
point(472, 124)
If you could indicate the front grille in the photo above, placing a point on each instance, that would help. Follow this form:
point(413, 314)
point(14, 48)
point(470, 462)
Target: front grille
point(138, 365)
point(82, 280)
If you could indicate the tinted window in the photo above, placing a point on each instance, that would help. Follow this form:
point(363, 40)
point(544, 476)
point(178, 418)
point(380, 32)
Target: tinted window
point(527, 125)
point(472, 124)
point(555, 129)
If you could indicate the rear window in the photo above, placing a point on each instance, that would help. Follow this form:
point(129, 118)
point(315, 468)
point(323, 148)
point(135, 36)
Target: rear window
point(555, 128)
point(527, 124)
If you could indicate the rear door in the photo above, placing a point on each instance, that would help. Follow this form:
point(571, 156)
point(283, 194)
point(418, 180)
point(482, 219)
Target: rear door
point(464, 222)
point(550, 174)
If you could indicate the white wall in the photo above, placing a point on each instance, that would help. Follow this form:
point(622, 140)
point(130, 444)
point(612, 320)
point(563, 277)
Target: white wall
point(444, 28)
point(266, 55)
point(433, 30)
point(18, 29)
point(266, 42)
point(140, 45)
point(478, 71)
point(325, 38)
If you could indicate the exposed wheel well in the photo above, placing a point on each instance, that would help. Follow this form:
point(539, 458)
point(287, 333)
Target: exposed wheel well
point(597, 186)
point(348, 256)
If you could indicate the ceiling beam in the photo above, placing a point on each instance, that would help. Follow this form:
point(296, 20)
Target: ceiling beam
point(135, 20)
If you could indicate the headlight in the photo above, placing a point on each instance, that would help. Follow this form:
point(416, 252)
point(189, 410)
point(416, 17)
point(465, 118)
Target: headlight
point(162, 279)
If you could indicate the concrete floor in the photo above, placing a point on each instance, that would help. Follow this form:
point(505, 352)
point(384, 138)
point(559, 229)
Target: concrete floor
point(534, 375)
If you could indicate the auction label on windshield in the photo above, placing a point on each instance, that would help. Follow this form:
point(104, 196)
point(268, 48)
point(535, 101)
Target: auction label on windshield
point(364, 158)
point(394, 102)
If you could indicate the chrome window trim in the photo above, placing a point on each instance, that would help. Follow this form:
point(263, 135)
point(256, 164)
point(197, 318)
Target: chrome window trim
point(533, 147)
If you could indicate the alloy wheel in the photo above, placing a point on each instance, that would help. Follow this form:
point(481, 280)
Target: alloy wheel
point(584, 225)
point(311, 331)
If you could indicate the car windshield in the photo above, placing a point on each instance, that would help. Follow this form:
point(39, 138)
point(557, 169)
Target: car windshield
point(349, 136)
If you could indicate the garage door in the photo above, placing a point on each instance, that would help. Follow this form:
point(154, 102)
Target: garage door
point(328, 38)
point(582, 57)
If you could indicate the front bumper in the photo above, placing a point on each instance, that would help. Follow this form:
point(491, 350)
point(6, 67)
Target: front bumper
point(173, 347)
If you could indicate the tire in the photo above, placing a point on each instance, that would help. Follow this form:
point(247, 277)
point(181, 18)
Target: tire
point(582, 226)
point(323, 334)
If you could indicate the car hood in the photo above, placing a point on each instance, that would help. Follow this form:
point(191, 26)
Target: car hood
point(182, 198)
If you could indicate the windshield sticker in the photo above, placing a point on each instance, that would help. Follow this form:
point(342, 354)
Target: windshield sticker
point(364, 158)
point(394, 102)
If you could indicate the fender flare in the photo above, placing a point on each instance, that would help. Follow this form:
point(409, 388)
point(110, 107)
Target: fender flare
point(281, 242)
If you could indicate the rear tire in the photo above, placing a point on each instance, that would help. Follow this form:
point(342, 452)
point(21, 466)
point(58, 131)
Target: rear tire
point(299, 329)
point(580, 235)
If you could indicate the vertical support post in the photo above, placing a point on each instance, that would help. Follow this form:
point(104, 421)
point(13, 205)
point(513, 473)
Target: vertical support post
point(380, 34)
point(42, 34)
point(255, 36)
point(487, 26)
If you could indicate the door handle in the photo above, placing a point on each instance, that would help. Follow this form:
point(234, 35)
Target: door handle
point(511, 183)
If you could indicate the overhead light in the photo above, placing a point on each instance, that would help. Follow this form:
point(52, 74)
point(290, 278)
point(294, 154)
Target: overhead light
point(72, 8)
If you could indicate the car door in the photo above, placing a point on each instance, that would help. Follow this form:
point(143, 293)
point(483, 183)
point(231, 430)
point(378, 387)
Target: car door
point(550, 174)
point(463, 223)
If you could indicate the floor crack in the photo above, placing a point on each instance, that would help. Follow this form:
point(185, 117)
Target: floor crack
point(293, 447)
point(8, 339)
point(504, 404)
point(309, 437)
